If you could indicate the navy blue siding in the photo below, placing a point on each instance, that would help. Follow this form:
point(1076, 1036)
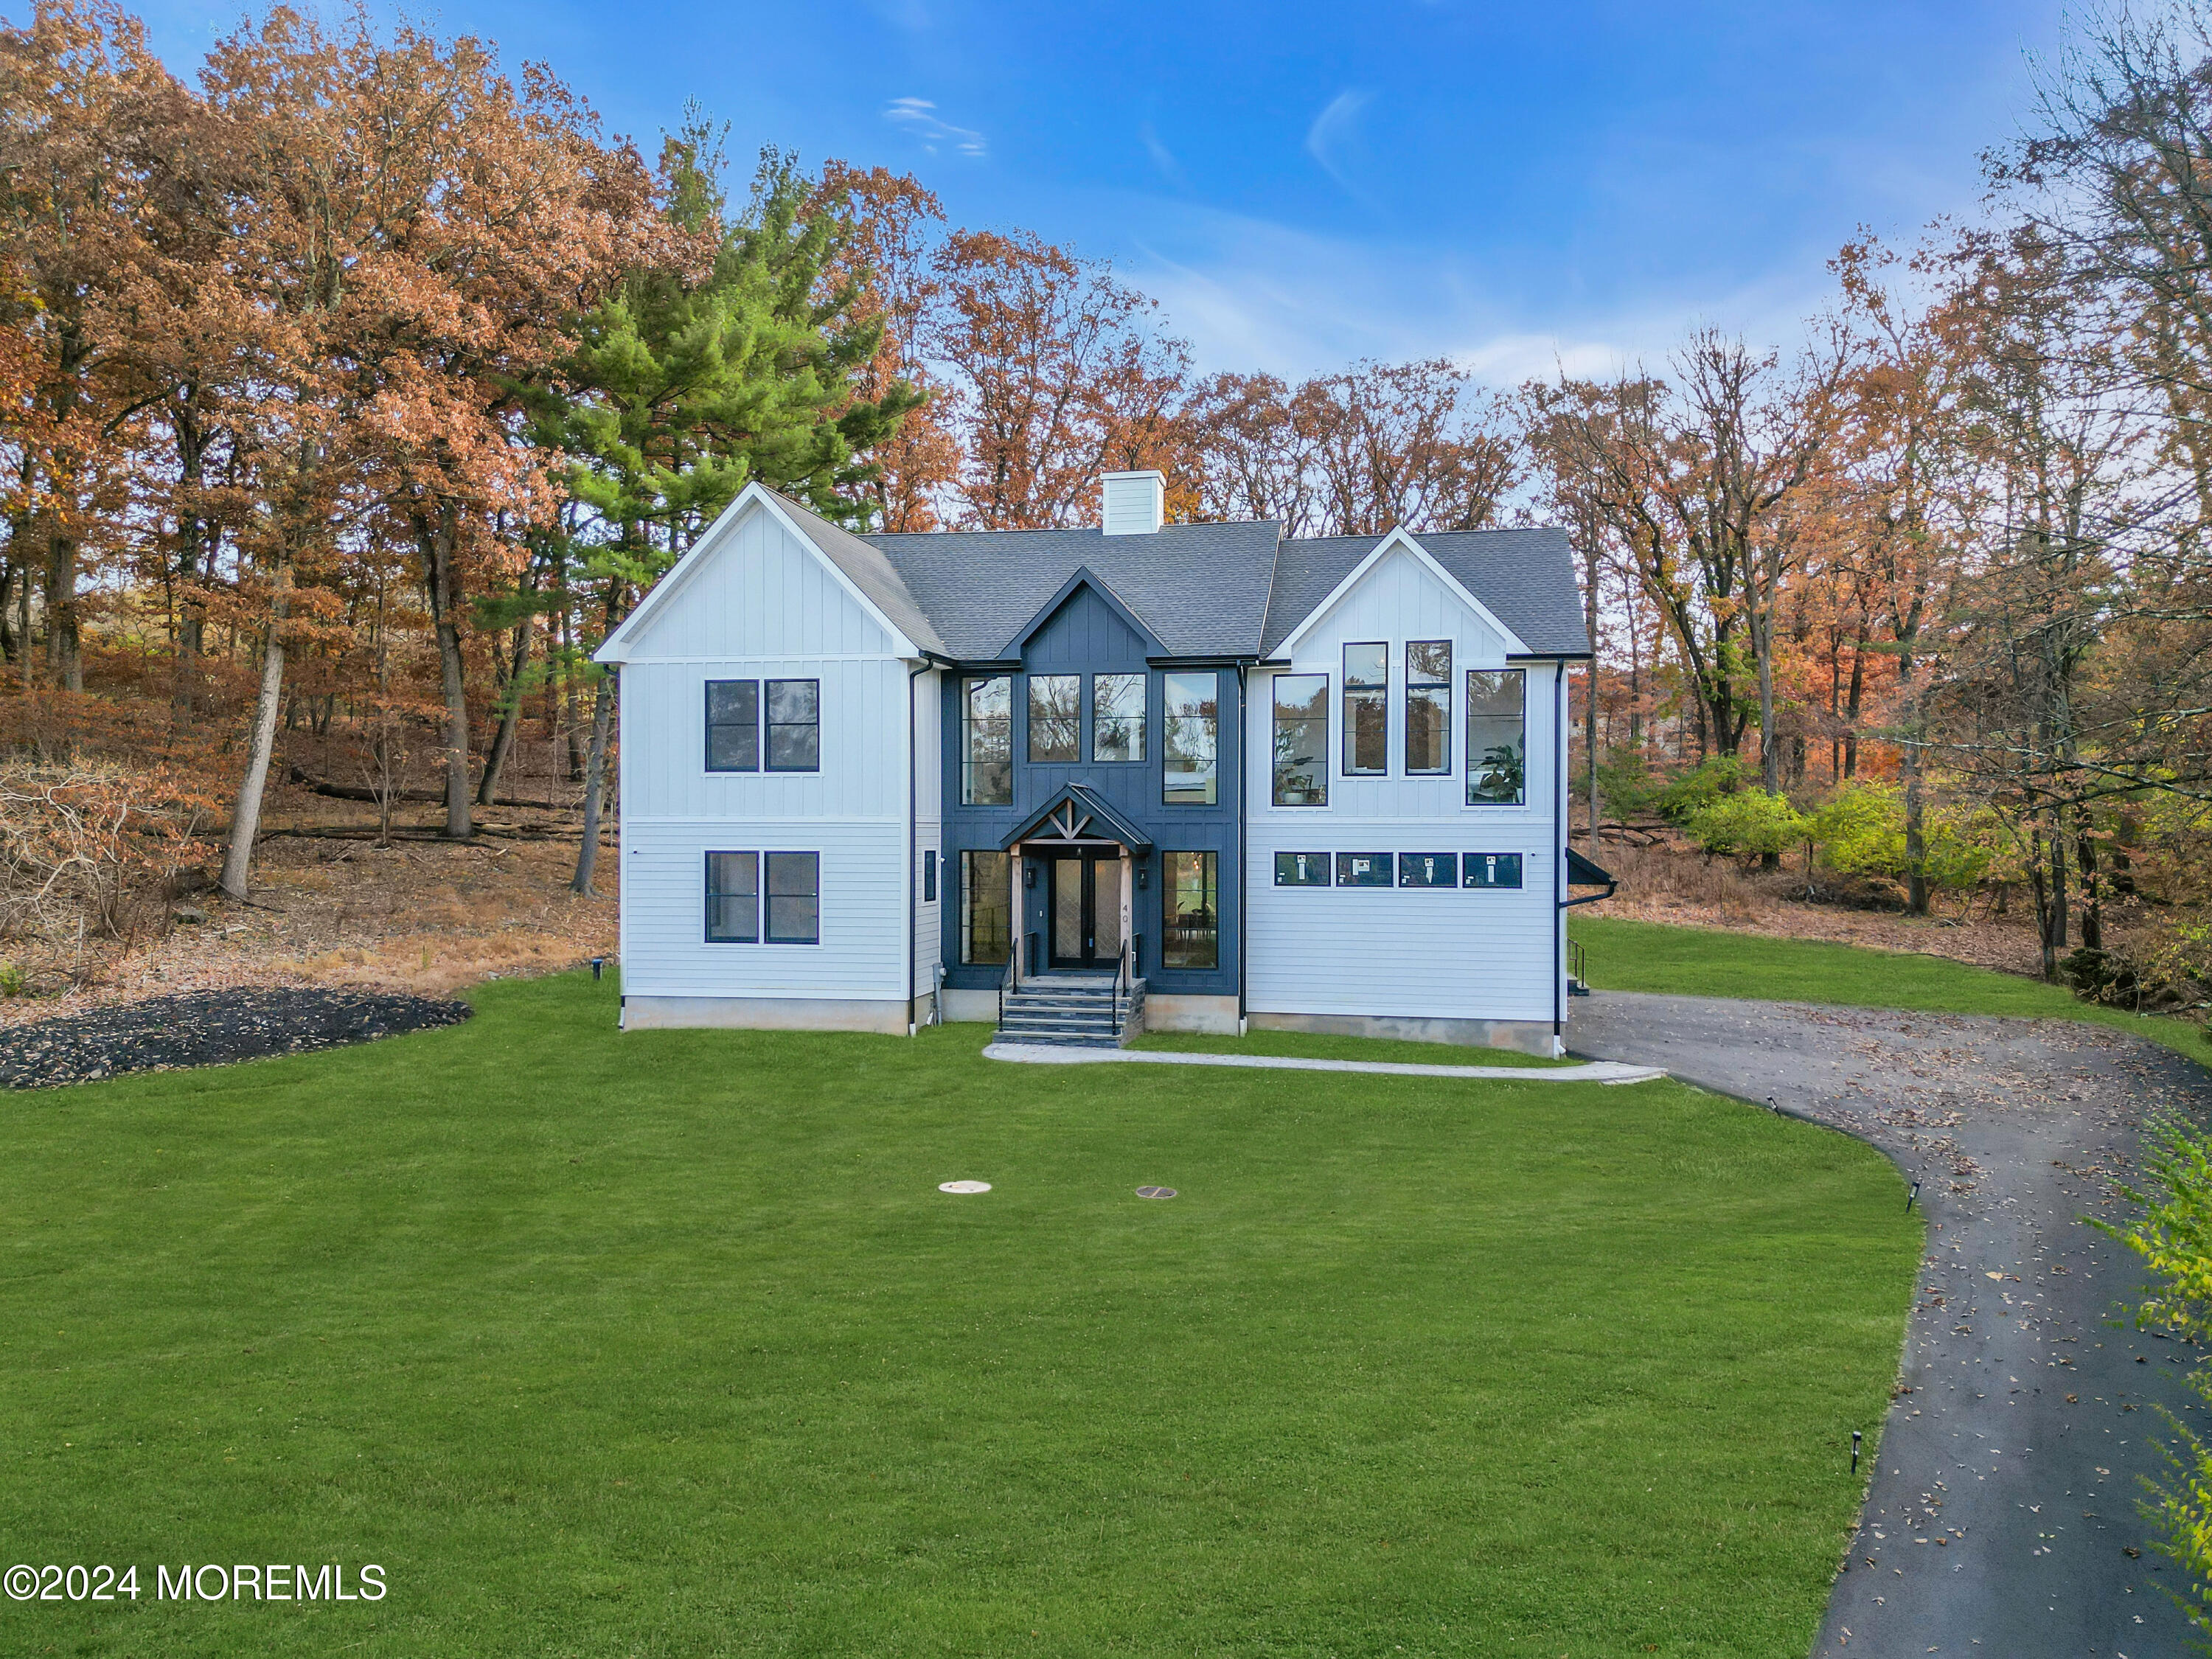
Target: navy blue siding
point(1086, 636)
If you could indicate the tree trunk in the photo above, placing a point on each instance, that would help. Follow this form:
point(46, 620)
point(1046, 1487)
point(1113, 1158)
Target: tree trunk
point(445, 598)
point(64, 648)
point(587, 856)
point(246, 814)
point(510, 717)
point(2092, 901)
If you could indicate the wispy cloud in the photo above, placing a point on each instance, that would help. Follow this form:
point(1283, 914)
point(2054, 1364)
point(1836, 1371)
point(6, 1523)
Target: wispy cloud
point(1333, 140)
point(1162, 157)
point(919, 117)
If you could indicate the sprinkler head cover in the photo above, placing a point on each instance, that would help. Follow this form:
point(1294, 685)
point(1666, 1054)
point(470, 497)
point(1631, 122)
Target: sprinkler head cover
point(963, 1185)
point(1156, 1192)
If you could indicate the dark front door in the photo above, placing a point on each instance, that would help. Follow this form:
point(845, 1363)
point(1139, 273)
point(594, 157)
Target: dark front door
point(1086, 909)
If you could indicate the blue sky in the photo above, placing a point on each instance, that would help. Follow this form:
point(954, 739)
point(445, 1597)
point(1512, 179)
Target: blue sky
point(1512, 185)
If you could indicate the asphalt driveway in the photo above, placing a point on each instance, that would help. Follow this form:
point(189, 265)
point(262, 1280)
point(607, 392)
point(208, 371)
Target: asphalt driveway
point(2003, 1517)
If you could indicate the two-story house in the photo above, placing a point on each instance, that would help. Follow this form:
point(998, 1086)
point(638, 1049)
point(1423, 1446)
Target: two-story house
point(868, 780)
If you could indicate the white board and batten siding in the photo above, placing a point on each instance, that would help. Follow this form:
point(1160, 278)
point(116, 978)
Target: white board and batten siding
point(1409, 953)
point(928, 826)
point(758, 603)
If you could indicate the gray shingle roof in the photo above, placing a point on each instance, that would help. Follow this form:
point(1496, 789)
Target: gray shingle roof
point(1201, 588)
point(871, 573)
point(1526, 578)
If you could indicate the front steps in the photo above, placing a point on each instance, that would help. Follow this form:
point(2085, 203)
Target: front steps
point(1072, 1011)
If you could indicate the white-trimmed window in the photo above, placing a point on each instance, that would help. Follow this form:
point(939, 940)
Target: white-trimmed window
point(1428, 707)
point(1301, 740)
point(1366, 710)
point(1497, 737)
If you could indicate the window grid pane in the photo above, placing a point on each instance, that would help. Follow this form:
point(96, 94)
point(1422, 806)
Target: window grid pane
point(1491, 870)
point(1188, 777)
point(1055, 717)
point(1363, 869)
point(1301, 869)
point(734, 726)
point(986, 763)
point(733, 898)
point(987, 901)
point(1497, 739)
point(794, 725)
point(1301, 740)
point(1190, 935)
point(1117, 717)
point(793, 899)
point(1428, 706)
point(1428, 869)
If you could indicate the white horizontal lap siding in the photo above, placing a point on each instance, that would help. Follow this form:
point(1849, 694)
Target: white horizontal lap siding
point(861, 954)
point(1407, 953)
point(754, 603)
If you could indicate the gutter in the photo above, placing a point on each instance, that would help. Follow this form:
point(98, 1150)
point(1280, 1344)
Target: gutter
point(1559, 862)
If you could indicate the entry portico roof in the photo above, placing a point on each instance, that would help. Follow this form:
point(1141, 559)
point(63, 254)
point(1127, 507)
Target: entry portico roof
point(1074, 812)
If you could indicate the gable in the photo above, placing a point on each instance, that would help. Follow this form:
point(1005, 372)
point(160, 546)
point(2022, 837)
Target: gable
point(1087, 629)
point(752, 587)
point(1400, 597)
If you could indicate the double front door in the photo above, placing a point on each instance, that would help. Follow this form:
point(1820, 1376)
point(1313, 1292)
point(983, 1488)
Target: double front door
point(1085, 898)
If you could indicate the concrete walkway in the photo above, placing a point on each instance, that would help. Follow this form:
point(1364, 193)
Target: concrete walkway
point(1038, 1054)
point(2002, 1517)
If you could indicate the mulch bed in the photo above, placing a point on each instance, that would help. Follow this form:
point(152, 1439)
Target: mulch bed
point(208, 1027)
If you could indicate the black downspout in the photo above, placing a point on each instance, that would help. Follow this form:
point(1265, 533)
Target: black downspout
point(1559, 855)
point(1243, 877)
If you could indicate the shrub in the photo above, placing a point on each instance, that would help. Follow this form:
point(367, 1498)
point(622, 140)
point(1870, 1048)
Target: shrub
point(1861, 831)
point(1748, 823)
point(1626, 787)
point(1701, 787)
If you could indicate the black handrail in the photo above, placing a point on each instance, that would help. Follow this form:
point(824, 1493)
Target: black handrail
point(1122, 976)
point(1006, 984)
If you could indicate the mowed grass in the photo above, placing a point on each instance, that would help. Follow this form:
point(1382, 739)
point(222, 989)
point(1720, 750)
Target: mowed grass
point(667, 1343)
point(1706, 961)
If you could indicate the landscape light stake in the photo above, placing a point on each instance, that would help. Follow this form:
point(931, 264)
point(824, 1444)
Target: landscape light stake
point(1854, 1451)
point(598, 963)
point(1910, 1196)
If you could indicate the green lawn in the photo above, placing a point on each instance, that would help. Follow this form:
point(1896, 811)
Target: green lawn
point(668, 1345)
point(1706, 962)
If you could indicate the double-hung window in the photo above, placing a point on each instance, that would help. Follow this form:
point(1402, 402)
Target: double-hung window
point(1497, 737)
point(986, 746)
point(1117, 717)
point(795, 725)
point(1301, 740)
point(1055, 717)
point(734, 726)
point(1428, 706)
point(739, 900)
point(1190, 738)
point(1366, 710)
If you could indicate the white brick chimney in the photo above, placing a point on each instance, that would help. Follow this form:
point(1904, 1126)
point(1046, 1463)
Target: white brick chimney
point(1132, 504)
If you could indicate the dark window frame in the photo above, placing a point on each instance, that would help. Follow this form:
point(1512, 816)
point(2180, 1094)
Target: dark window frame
point(1320, 771)
point(1122, 722)
point(1408, 863)
point(770, 726)
point(1441, 699)
point(714, 726)
point(1073, 756)
point(768, 897)
point(1327, 862)
point(1210, 904)
point(1347, 876)
point(1169, 719)
point(929, 875)
point(1472, 863)
point(969, 888)
point(970, 685)
point(1363, 694)
point(1477, 770)
point(716, 896)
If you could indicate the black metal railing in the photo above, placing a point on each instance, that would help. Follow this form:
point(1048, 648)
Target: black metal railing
point(1006, 984)
point(1578, 966)
point(1122, 978)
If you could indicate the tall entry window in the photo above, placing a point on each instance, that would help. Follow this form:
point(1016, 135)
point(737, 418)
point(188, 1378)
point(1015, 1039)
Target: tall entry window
point(1191, 934)
point(987, 907)
point(1366, 710)
point(987, 740)
point(1428, 706)
point(1192, 735)
point(1301, 740)
point(1055, 717)
point(1117, 717)
point(1497, 737)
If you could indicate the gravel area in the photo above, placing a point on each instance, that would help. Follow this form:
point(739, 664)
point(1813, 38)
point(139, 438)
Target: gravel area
point(2001, 1517)
point(208, 1027)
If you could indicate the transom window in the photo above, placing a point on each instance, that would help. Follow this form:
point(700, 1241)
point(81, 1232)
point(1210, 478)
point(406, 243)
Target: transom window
point(1428, 706)
point(987, 752)
point(1301, 869)
point(1055, 717)
point(1366, 710)
point(1117, 717)
point(1363, 869)
point(1191, 739)
point(1301, 740)
point(1497, 737)
point(1428, 869)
